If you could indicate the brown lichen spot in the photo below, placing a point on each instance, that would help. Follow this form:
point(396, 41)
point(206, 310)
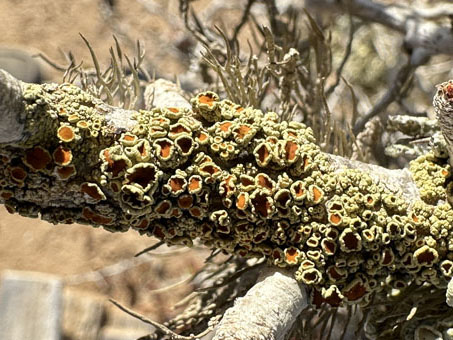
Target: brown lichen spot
point(355, 290)
point(64, 172)
point(94, 217)
point(316, 298)
point(177, 184)
point(334, 298)
point(311, 276)
point(185, 201)
point(261, 203)
point(129, 138)
point(141, 148)
point(196, 212)
point(163, 207)
point(368, 235)
point(335, 219)
point(142, 174)
point(335, 273)
point(206, 229)
point(317, 194)
point(92, 190)
point(241, 202)
point(195, 184)
point(178, 129)
point(277, 254)
point(115, 187)
point(66, 133)
point(291, 151)
point(224, 229)
point(242, 252)
point(282, 197)
point(225, 126)
point(201, 136)
point(445, 173)
point(62, 156)
point(306, 162)
point(115, 167)
point(10, 208)
point(18, 173)
point(242, 131)
point(185, 144)
point(298, 190)
point(292, 255)
point(415, 218)
point(260, 237)
point(398, 284)
point(176, 212)
point(246, 180)
point(350, 240)
point(173, 109)
point(336, 207)
point(143, 224)
point(207, 98)
point(159, 232)
point(264, 181)
point(82, 124)
point(166, 148)
point(37, 158)
point(263, 154)
point(387, 257)
point(446, 268)
point(332, 233)
point(426, 256)
point(329, 246)
point(6, 194)
point(209, 169)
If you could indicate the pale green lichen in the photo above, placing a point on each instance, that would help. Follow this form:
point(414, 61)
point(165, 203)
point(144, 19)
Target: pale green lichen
point(236, 179)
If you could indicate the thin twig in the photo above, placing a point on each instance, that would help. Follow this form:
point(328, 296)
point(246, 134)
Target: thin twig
point(148, 249)
point(347, 53)
point(403, 75)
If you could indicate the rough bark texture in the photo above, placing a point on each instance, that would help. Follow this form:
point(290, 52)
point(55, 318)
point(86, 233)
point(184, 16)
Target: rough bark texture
point(267, 311)
point(11, 108)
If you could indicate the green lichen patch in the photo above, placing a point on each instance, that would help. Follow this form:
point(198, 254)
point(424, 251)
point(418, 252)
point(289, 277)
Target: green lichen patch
point(236, 179)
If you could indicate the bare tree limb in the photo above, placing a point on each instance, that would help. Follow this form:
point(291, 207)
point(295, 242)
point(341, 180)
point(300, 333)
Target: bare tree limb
point(267, 311)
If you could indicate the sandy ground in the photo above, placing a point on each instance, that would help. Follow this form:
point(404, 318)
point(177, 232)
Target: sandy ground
point(73, 251)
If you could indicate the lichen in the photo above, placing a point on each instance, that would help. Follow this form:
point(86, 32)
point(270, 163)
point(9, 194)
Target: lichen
point(235, 178)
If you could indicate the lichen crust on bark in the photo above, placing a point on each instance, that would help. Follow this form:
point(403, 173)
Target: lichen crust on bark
point(235, 178)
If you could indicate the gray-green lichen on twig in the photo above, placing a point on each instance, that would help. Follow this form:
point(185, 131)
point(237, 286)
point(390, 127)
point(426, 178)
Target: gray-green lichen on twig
point(237, 179)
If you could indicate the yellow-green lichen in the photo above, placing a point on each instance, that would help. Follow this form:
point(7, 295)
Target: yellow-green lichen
point(236, 179)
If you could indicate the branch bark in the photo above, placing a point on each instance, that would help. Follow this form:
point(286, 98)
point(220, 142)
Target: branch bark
point(277, 196)
point(424, 37)
point(267, 311)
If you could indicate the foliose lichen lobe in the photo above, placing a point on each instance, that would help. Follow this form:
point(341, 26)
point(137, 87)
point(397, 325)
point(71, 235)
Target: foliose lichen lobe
point(236, 179)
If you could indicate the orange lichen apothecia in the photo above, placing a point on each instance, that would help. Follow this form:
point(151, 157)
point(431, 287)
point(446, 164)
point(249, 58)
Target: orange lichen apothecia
point(236, 179)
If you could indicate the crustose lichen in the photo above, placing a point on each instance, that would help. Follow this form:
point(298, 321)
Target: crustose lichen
point(236, 179)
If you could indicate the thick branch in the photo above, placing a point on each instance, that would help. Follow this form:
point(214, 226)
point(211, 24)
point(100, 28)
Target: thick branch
point(267, 311)
point(236, 179)
point(11, 109)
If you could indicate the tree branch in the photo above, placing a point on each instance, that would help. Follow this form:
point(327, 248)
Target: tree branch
point(267, 311)
point(237, 180)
